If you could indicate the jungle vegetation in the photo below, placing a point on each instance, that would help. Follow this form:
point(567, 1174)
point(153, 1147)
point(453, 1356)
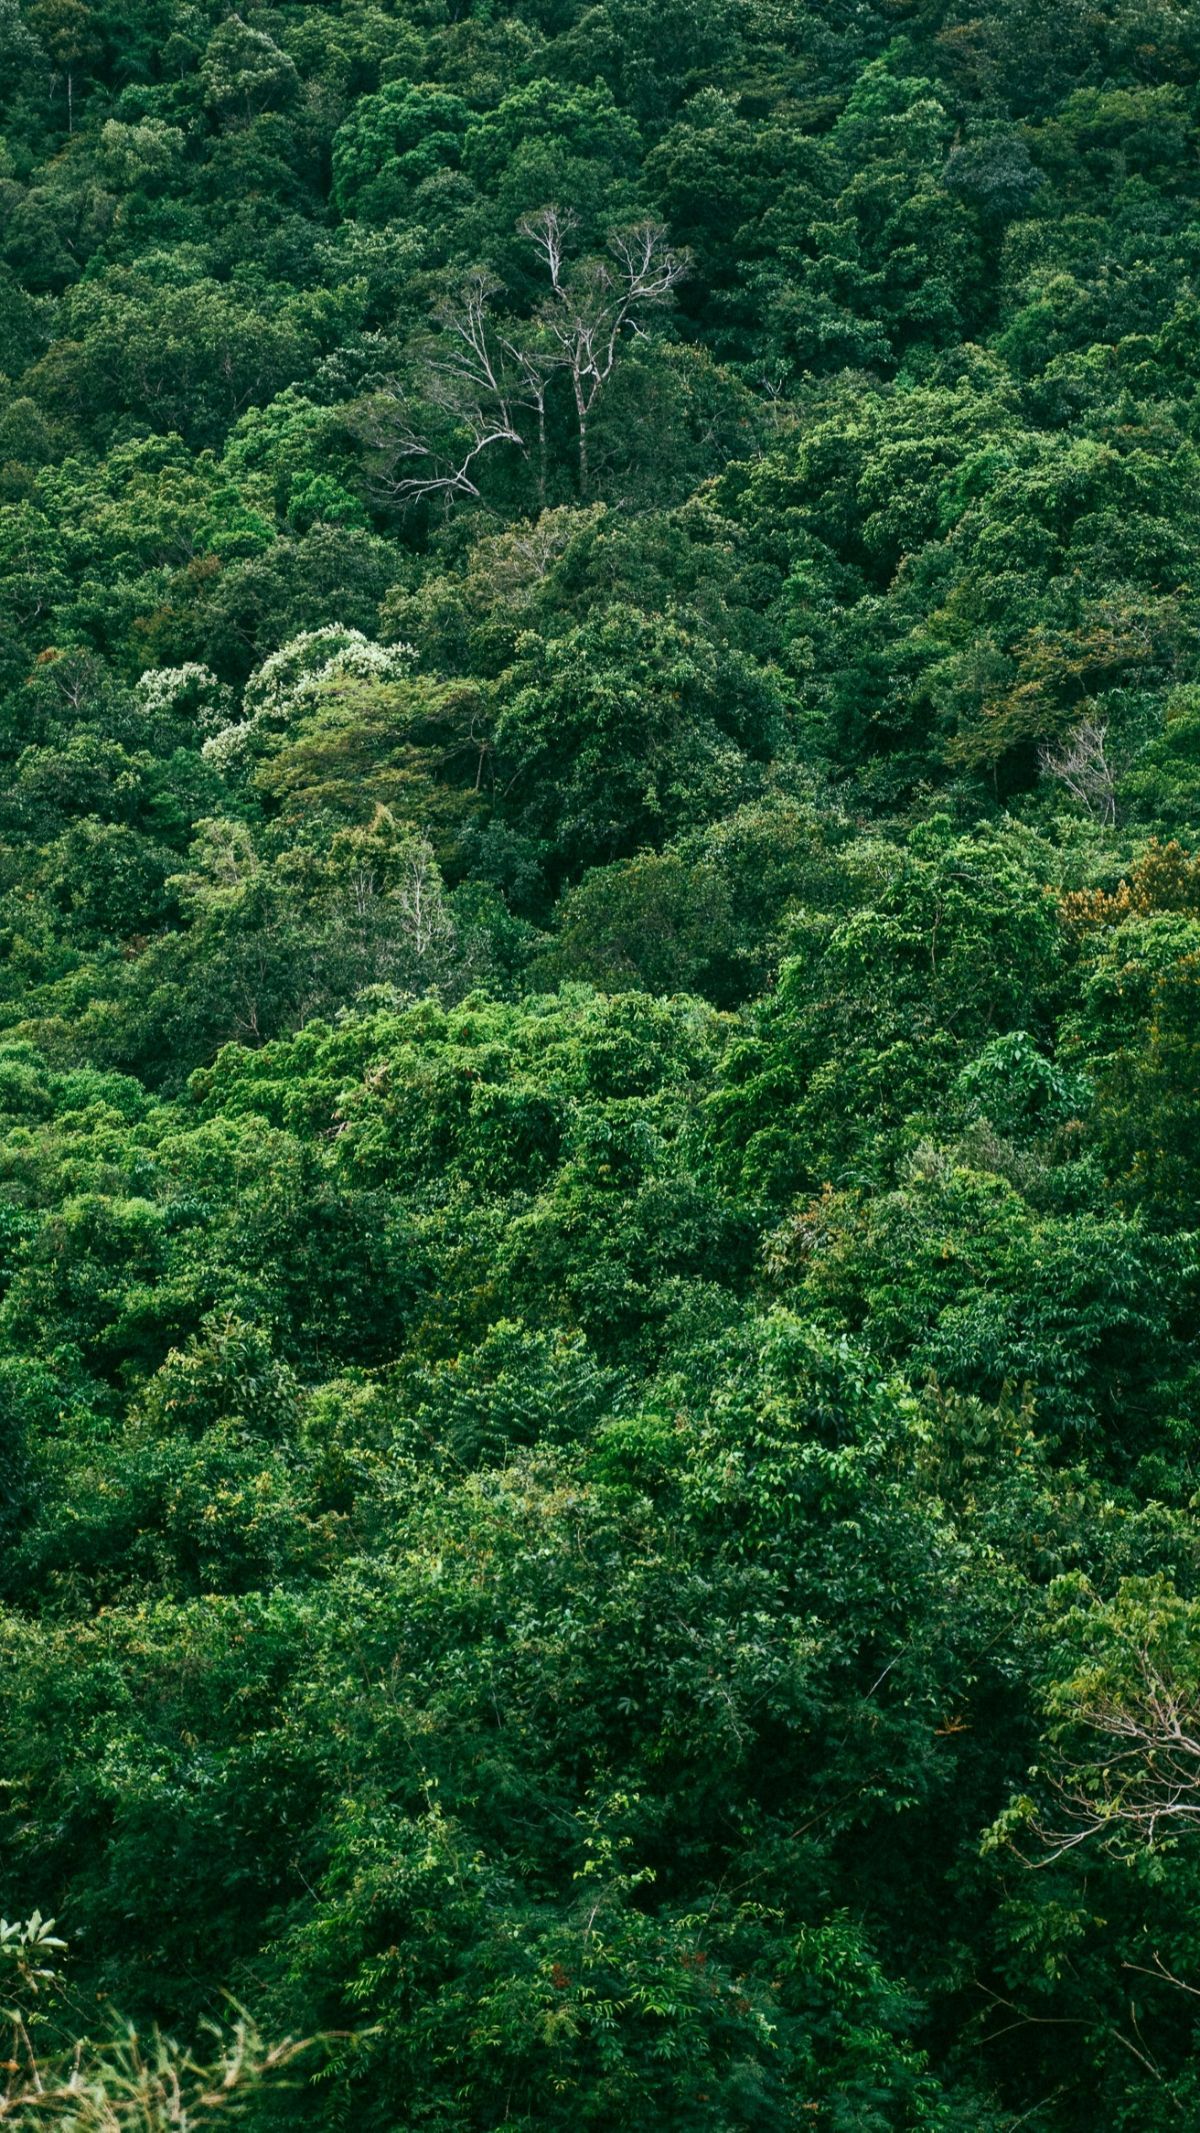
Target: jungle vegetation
point(600, 1065)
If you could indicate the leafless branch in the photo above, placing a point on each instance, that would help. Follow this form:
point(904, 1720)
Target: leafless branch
point(476, 377)
point(483, 375)
point(592, 305)
point(1082, 766)
point(1143, 1780)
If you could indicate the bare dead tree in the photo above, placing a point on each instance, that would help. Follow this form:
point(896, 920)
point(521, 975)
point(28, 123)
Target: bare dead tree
point(592, 304)
point(1141, 1779)
point(486, 376)
point(1082, 765)
point(477, 377)
point(421, 900)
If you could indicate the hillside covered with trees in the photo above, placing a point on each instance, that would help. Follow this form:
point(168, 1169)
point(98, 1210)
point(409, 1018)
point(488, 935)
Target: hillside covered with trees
point(600, 1062)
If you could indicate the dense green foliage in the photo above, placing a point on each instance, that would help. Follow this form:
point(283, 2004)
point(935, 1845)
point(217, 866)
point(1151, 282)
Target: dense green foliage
point(600, 1052)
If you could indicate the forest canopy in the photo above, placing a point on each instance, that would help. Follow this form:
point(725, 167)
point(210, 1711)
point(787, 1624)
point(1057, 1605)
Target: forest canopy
point(600, 1065)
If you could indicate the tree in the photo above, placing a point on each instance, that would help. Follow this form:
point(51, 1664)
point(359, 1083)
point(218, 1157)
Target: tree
point(1123, 1767)
point(389, 143)
point(71, 35)
point(245, 71)
point(481, 374)
point(1082, 765)
point(477, 376)
point(595, 302)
